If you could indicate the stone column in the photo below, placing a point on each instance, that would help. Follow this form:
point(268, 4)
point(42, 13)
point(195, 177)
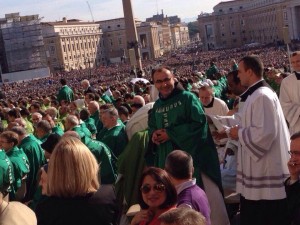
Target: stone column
point(131, 32)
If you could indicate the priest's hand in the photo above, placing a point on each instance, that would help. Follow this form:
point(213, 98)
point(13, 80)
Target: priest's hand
point(160, 136)
point(234, 133)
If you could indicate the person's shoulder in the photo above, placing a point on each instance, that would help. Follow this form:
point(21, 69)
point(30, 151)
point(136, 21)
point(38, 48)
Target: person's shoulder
point(290, 77)
point(18, 212)
point(220, 101)
point(104, 195)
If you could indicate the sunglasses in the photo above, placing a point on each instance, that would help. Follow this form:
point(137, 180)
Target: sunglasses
point(145, 189)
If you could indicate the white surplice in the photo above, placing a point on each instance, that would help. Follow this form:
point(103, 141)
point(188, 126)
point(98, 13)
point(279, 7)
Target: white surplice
point(290, 102)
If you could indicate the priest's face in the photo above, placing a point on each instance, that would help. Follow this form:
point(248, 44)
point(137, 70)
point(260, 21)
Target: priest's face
point(206, 96)
point(164, 82)
point(244, 75)
point(295, 61)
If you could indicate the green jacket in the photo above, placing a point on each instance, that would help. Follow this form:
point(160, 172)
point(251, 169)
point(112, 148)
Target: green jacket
point(104, 157)
point(29, 126)
point(65, 93)
point(98, 123)
point(20, 167)
point(44, 138)
point(130, 166)
point(85, 130)
point(57, 130)
point(6, 173)
point(90, 124)
point(182, 115)
point(115, 138)
point(36, 158)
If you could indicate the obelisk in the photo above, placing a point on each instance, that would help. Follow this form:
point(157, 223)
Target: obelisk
point(131, 33)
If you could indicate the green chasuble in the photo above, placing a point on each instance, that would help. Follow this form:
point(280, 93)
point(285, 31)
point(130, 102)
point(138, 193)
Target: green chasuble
point(182, 115)
point(44, 138)
point(85, 130)
point(98, 123)
point(6, 173)
point(211, 72)
point(90, 124)
point(20, 167)
point(131, 163)
point(36, 158)
point(106, 98)
point(79, 131)
point(29, 126)
point(65, 93)
point(57, 130)
point(104, 157)
point(115, 138)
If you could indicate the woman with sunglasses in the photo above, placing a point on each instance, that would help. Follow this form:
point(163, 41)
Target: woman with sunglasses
point(157, 195)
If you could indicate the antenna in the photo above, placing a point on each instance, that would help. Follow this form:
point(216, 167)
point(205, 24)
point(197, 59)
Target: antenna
point(90, 10)
point(157, 7)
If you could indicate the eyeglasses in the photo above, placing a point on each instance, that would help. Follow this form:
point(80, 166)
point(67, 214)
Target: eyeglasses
point(294, 54)
point(295, 153)
point(163, 81)
point(145, 189)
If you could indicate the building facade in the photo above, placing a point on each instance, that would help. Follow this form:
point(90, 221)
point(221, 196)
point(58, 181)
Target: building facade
point(241, 22)
point(173, 33)
point(21, 43)
point(72, 44)
point(116, 45)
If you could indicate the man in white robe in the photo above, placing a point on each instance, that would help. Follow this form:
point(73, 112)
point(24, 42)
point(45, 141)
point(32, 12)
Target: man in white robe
point(263, 150)
point(290, 95)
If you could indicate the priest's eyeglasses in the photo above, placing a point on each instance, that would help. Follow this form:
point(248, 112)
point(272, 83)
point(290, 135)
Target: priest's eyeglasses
point(167, 79)
point(145, 189)
point(295, 153)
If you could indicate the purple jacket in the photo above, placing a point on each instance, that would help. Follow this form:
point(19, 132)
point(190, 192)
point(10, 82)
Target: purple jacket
point(190, 195)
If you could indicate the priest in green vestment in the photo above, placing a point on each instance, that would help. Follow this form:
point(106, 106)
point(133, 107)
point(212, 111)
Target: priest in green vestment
point(65, 93)
point(177, 121)
point(113, 134)
point(36, 157)
point(8, 142)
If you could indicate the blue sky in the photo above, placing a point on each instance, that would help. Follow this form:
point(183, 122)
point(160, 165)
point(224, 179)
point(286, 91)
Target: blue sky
point(53, 10)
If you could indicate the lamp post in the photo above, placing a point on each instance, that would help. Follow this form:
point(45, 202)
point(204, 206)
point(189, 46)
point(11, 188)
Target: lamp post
point(88, 60)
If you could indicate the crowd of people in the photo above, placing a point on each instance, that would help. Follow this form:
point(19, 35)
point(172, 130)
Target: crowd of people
point(82, 147)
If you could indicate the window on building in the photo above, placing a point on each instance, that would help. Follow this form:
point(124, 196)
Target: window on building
point(52, 50)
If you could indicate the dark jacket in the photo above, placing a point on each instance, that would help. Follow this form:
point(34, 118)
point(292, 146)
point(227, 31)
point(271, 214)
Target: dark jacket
point(293, 197)
point(93, 209)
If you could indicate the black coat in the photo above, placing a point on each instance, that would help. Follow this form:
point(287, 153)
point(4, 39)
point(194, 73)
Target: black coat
point(93, 209)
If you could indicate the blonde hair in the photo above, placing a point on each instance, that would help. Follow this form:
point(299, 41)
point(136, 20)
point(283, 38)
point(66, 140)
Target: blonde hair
point(182, 216)
point(73, 170)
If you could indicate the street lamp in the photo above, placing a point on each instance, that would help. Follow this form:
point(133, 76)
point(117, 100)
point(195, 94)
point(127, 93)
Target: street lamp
point(88, 60)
